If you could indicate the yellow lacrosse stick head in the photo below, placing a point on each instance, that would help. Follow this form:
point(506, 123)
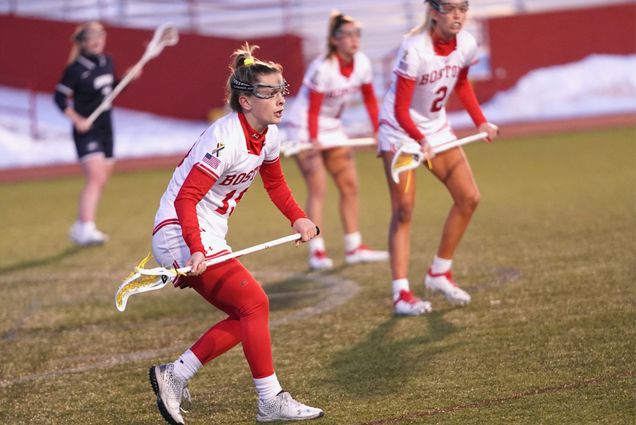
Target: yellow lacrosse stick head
point(136, 283)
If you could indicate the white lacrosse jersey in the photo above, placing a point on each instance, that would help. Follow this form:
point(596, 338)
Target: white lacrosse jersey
point(323, 75)
point(222, 153)
point(435, 78)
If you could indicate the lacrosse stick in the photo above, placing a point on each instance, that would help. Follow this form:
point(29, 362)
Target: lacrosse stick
point(144, 280)
point(410, 155)
point(165, 35)
point(291, 149)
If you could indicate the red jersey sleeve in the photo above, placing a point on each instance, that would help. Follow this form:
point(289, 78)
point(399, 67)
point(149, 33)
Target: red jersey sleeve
point(194, 188)
point(371, 103)
point(466, 95)
point(315, 102)
point(279, 192)
point(403, 97)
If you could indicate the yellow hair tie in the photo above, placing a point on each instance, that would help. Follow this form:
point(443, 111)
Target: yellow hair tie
point(248, 61)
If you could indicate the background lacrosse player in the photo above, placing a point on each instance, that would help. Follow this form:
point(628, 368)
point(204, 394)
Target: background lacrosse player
point(192, 222)
point(88, 79)
point(314, 117)
point(432, 61)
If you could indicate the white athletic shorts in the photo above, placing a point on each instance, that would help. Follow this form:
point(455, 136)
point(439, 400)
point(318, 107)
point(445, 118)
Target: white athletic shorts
point(390, 139)
point(334, 136)
point(170, 250)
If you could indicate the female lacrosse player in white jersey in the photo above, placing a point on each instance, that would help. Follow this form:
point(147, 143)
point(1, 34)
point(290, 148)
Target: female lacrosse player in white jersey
point(314, 117)
point(191, 224)
point(432, 61)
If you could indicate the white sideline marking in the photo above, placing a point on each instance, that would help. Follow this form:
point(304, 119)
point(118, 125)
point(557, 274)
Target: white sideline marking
point(338, 292)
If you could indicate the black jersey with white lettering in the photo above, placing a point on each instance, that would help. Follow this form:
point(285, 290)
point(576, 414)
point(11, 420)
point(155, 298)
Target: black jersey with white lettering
point(88, 80)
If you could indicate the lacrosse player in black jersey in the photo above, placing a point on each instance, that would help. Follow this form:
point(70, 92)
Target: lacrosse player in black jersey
point(88, 78)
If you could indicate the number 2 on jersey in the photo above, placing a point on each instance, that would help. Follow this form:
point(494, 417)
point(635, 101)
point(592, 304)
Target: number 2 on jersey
point(438, 103)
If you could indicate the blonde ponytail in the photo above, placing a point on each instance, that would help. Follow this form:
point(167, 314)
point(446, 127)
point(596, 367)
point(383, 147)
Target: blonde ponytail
point(427, 25)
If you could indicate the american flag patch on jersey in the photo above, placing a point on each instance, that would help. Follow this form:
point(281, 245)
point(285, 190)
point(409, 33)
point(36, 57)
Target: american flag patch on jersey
point(211, 160)
point(403, 65)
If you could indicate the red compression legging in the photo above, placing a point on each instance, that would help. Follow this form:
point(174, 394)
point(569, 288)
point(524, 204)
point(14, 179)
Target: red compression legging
point(232, 289)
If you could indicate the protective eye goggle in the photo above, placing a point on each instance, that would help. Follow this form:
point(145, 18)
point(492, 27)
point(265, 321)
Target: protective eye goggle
point(445, 8)
point(356, 33)
point(260, 90)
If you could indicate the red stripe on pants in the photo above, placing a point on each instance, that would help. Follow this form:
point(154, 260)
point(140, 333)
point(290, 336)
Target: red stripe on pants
point(231, 288)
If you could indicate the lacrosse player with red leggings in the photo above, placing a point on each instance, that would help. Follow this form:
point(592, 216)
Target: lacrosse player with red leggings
point(191, 225)
point(432, 61)
point(88, 79)
point(314, 117)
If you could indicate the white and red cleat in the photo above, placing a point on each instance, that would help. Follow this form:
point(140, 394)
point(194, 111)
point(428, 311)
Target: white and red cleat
point(444, 283)
point(318, 260)
point(409, 305)
point(363, 254)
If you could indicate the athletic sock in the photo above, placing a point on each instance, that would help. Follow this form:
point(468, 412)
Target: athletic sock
point(268, 387)
point(352, 241)
point(441, 265)
point(317, 244)
point(85, 226)
point(398, 286)
point(187, 365)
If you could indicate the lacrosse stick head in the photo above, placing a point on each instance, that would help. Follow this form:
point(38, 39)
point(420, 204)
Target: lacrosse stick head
point(407, 157)
point(165, 35)
point(138, 282)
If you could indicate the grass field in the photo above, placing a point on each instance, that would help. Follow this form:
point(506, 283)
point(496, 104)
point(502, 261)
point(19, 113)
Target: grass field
point(549, 338)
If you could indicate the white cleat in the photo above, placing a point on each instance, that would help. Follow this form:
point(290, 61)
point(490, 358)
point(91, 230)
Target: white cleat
point(444, 283)
point(408, 305)
point(318, 260)
point(284, 408)
point(86, 234)
point(363, 254)
point(169, 390)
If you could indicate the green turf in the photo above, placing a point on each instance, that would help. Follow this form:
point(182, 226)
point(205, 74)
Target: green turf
point(549, 337)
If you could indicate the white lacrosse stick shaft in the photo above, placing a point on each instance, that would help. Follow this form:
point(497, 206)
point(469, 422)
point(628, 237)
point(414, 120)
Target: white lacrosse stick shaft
point(161, 271)
point(414, 149)
point(291, 149)
point(165, 35)
point(164, 274)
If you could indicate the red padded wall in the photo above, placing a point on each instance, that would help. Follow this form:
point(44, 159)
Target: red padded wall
point(185, 81)
point(521, 43)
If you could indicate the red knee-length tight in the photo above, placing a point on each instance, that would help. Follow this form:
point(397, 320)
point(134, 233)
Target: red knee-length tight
point(232, 289)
